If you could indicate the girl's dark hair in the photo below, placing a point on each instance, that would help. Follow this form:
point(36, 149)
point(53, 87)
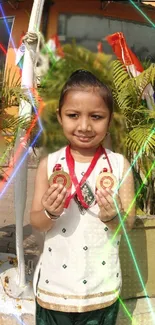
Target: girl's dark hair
point(83, 80)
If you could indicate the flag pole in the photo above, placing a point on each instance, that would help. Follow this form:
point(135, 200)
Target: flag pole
point(25, 110)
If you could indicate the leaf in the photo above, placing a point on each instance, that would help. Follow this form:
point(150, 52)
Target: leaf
point(141, 138)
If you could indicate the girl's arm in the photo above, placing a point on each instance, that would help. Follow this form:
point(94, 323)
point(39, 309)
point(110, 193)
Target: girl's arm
point(124, 201)
point(50, 198)
point(127, 195)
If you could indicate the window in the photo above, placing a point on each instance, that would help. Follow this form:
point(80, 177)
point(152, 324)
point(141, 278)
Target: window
point(88, 30)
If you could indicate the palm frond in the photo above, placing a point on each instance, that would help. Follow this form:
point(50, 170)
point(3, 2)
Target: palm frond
point(141, 138)
point(11, 91)
point(120, 75)
point(128, 91)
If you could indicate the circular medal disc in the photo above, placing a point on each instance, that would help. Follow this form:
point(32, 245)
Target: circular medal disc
point(106, 180)
point(60, 177)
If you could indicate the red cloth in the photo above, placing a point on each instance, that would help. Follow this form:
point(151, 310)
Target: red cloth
point(58, 46)
point(100, 47)
point(122, 51)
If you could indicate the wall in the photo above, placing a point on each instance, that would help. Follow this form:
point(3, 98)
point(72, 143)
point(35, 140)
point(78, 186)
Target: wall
point(92, 7)
point(152, 3)
point(20, 25)
point(88, 24)
point(88, 30)
point(88, 7)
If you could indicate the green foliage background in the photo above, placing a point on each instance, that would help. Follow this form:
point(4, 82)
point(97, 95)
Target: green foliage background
point(132, 129)
point(75, 58)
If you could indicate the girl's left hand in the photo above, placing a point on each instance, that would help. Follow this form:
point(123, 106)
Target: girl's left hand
point(108, 202)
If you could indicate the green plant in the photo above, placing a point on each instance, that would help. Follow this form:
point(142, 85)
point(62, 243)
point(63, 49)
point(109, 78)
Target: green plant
point(133, 123)
point(140, 126)
point(10, 94)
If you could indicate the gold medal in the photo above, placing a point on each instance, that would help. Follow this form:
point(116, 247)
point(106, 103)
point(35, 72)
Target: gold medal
point(60, 177)
point(106, 180)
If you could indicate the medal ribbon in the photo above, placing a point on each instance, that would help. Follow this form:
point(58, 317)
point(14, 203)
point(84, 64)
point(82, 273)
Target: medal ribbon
point(71, 167)
point(107, 161)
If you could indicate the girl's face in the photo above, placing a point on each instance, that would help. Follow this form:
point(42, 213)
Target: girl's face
point(85, 119)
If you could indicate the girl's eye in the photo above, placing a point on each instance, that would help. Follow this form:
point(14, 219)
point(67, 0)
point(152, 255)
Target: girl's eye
point(97, 117)
point(72, 115)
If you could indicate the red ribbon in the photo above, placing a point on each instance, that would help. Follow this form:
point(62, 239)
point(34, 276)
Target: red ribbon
point(71, 167)
point(108, 163)
point(57, 167)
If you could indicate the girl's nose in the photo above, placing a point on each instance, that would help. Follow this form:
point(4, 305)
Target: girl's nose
point(84, 125)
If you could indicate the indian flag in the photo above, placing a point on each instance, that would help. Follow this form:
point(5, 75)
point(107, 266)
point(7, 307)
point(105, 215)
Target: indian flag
point(129, 59)
point(54, 46)
point(20, 53)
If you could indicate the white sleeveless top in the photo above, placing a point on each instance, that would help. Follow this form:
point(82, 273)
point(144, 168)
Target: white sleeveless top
point(79, 269)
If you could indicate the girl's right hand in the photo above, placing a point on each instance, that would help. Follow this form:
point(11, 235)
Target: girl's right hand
point(54, 199)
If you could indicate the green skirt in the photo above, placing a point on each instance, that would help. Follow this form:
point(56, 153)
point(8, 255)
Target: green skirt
point(105, 316)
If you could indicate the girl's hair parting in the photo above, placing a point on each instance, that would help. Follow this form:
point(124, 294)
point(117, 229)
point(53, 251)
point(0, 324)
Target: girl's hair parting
point(84, 80)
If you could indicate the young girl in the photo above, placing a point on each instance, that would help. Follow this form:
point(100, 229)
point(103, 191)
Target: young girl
point(79, 276)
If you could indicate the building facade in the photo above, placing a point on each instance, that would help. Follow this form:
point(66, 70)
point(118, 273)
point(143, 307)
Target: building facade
point(86, 21)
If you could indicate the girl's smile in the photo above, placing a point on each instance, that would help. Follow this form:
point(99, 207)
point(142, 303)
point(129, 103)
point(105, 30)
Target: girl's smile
point(85, 120)
point(83, 138)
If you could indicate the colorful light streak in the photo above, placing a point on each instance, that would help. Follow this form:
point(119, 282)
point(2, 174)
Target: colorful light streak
point(30, 94)
point(20, 150)
point(7, 28)
point(126, 214)
point(3, 49)
point(130, 248)
point(142, 13)
point(134, 322)
point(135, 160)
point(3, 158)
point(17, 168)
point(138, 192)
point(4, 154)
point(27, 135)
point(54, 61)
point(129, 244)
point(134, 200)
point(33, 122)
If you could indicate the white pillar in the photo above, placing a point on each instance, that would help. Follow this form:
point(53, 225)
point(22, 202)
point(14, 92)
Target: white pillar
point(25, 109)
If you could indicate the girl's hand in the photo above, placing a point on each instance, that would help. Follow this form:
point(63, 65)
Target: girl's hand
point(54, 199)
point(107, 203)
